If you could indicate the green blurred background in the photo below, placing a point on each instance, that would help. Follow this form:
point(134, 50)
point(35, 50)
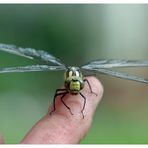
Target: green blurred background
point(76, 34)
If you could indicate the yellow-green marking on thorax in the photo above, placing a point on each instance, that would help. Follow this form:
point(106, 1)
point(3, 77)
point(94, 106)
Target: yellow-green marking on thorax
point(75, 85)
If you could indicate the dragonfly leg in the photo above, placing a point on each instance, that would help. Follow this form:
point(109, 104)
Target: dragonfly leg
point(85, 80)
point(57, 94)
point(84, 103)
point(62, 99)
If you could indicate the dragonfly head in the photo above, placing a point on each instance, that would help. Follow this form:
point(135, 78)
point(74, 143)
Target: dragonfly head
point(73, 80)
point(73, 71)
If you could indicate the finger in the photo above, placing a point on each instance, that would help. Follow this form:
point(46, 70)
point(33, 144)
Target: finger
point(61, 126)
point(1, 139)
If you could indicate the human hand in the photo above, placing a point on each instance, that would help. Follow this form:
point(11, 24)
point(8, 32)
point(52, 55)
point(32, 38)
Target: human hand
point(61, 127)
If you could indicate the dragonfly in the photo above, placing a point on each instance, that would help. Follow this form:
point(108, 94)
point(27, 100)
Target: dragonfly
point(74, 80)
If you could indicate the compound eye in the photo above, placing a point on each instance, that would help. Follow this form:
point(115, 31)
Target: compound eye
point(70, 73)
point(77, 73)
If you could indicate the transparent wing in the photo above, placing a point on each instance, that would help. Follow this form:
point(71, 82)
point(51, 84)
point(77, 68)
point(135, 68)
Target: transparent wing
point(31, 68)
point(30, 53)
point(121, 75)
point(115, 63)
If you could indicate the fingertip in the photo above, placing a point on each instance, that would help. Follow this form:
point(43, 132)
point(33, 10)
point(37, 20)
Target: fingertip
point(96, 85)
point(94, 97)
point(62, 127)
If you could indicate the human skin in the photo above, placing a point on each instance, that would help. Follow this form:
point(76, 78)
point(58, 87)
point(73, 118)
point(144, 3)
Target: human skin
point(61, 127)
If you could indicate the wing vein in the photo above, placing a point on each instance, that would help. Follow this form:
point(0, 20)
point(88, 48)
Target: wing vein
point(115, 63)
point(31, 68)
point(122, 75)
point(30, 53)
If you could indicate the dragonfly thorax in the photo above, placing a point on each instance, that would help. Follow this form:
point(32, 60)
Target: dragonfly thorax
point(73, 80)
